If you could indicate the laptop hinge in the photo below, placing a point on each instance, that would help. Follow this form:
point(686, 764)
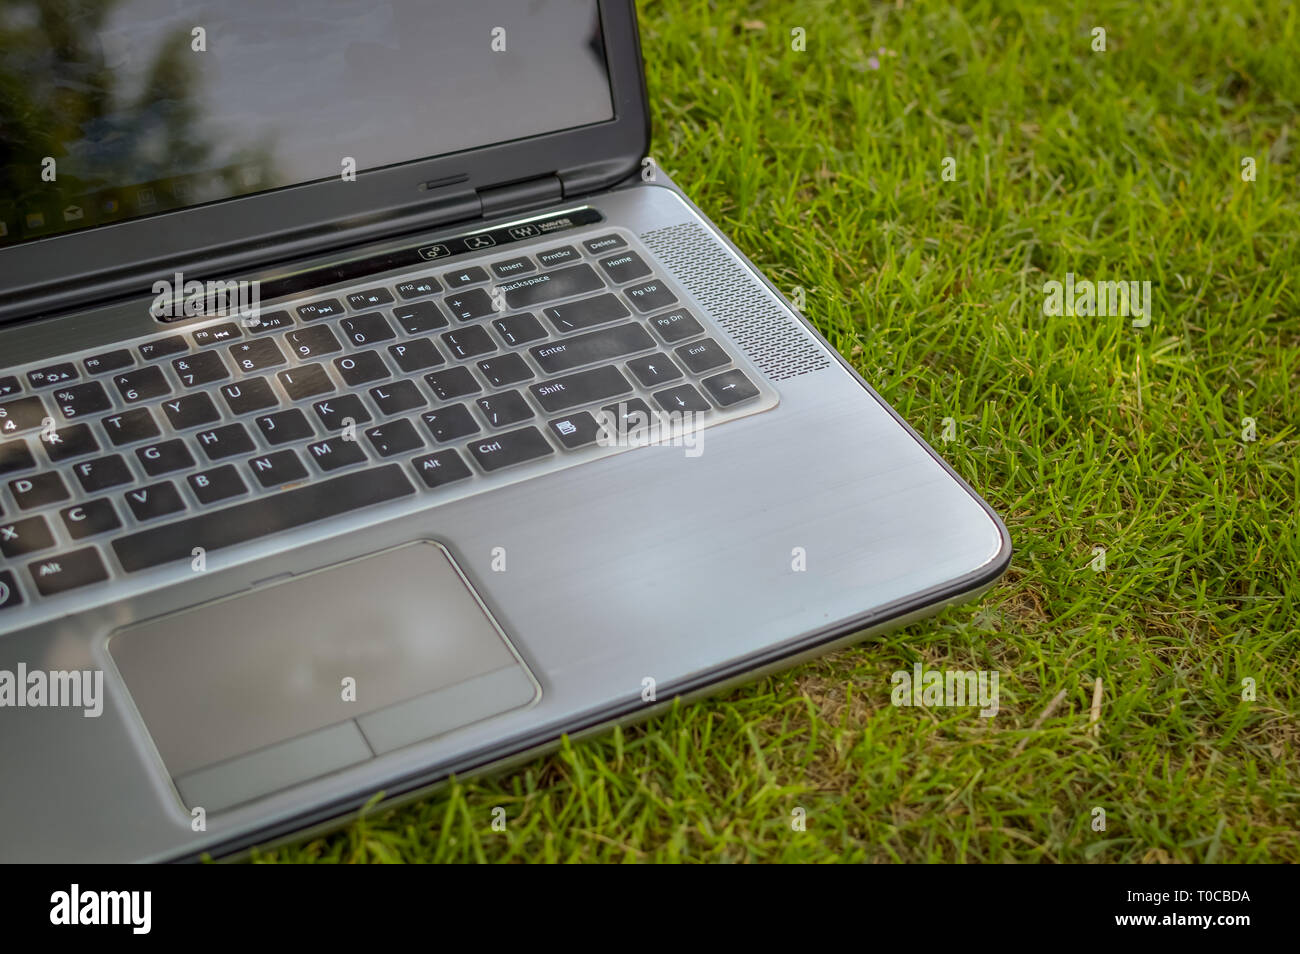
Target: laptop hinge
point(521, 196)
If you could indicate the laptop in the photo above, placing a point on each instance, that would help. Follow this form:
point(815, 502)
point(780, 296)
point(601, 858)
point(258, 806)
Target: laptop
point(373, 409)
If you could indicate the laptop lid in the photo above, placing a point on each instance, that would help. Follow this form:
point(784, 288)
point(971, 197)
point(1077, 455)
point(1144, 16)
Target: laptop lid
point(147, 136)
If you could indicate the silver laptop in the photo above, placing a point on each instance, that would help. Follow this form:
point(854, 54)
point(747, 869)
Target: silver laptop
point(373, 409)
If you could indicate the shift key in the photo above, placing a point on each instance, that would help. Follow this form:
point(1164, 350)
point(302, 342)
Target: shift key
point(585, 387)
point(591, 348)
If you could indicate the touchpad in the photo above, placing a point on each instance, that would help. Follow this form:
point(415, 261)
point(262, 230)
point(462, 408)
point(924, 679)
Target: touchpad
point(259, 691)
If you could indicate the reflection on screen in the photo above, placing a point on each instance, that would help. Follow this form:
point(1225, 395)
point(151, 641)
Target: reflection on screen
point(113, 109)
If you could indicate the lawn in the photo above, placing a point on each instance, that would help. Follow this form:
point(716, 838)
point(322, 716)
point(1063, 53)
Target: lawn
point(1172, 446)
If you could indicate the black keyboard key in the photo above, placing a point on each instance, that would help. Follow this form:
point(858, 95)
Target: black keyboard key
point(102, 473)
point(15, 456)
point(304, 382)
point(512, 267)
point(466, 276)
point(604, 244)
point(286, 426)
point(340, 412)
point(320, 309)
point(701, 356)
point(156, 500)
point(9, 595)
point(519, 329)
point(548, 286)
point(258, 354)
point(108, 361)
point(336, 452)
point(654, 369)
point(468, 305)
point(452, 383)
point(276, 470)
point(270, 321)
point(395, 437)
point(38, 490)
point(558, 256)
point(416, 355)
point(587, 313)
point(684, 397)
point(165, 457)
point(25, 536)
point(252, 394)
point(585, 387)
point(130, 426)
point(21, 415)
point(362, 367)
point(228, 441)
point(142, 384)
point(504, 409)
point(575, 430)
point(677, 325)
point(313, 342)
point(627, 417)
point(217, 334)
point(191, 410)
point(256, 518)
point(220, 483)
point(67, 571)
point(367, 329)
point(9, 384)
point(440, 468)
point(82, 399)
point(419, 317)
point(515, 447)
point(450, 423)
point(650, 296)
point(624, 267)
point(66, 443)
point(163, 348)
point(370, 298)
point(730, 387)
point(592, 348)
point(54, 374)
point(90, 518)
point(418, 287)
point(398, 397)
point(469, 342)
point(505, 370)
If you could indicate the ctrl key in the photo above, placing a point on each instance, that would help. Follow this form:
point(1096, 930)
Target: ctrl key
point(67, 571)
point(440, 468)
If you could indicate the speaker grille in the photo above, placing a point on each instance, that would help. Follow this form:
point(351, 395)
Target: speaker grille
point(736, 301)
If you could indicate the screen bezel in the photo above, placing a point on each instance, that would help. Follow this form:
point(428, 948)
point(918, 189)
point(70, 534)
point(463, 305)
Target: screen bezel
point(110, 261)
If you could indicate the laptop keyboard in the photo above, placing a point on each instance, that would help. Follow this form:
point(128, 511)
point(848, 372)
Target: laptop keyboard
point(424, 386)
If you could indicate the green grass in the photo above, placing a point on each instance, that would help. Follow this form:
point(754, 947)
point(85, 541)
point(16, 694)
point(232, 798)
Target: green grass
point(1083, 432)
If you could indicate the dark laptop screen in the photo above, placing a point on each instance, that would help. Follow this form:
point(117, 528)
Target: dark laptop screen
point(115, 109)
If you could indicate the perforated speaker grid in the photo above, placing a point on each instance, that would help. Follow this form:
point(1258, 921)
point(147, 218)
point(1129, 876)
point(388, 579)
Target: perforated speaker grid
point(736, 301)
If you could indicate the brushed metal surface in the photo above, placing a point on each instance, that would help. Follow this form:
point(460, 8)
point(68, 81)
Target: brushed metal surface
point(646, 564)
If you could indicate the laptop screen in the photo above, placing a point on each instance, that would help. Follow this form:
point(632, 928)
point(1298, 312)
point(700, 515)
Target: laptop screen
point(111, 111)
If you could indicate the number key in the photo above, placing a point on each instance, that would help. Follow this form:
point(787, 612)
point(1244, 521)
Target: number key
point(259, 354)
point(202, 368)
point(142, 384)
